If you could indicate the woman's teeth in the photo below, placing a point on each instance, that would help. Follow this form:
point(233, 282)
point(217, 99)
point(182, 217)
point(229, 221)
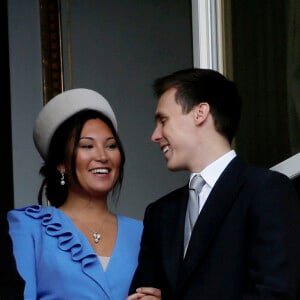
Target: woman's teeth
point(100, 171)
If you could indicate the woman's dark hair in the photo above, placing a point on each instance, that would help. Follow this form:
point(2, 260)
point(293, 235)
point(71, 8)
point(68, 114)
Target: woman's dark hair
point(69, 132)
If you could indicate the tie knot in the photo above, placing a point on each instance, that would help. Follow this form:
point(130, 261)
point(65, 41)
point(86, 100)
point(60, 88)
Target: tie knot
point(197, 183)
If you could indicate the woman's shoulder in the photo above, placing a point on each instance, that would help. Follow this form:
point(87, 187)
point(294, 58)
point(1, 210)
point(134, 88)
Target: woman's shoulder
point(130, 230)
point(30, 213)
point(28, 209)
point(129, 219)
point(130, 222)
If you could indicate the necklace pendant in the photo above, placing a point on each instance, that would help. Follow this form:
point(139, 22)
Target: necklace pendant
point(96, 237)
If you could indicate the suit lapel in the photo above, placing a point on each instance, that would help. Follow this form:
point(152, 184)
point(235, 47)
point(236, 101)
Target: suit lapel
point(173, 233)
point(215, 209)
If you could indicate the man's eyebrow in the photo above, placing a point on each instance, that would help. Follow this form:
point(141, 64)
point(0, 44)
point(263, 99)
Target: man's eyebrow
point(158, 116)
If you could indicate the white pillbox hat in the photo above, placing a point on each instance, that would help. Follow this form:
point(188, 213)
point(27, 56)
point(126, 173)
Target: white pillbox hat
point(62, 107)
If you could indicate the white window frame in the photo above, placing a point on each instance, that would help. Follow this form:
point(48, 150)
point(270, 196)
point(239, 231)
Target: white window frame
point(208, 34)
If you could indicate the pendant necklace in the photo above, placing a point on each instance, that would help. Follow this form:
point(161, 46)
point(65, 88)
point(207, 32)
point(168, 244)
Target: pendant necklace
point(95, 234)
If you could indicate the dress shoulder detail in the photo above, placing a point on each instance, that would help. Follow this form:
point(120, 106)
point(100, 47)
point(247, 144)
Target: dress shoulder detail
point(57, 225)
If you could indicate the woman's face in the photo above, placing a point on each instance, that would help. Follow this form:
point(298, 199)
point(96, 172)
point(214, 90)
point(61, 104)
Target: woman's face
point(98, 158)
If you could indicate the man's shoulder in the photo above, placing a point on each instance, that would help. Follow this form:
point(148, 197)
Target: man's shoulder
point(177, 192)
point(173, 197)
point(254, 172)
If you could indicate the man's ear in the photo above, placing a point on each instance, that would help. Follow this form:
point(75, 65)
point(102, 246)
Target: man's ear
point(201, 111)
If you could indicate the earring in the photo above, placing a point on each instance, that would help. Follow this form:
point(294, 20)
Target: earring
point(62, 178)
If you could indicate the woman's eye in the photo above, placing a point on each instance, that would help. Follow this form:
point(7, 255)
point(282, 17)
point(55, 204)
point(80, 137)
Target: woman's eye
point(88, 146)
point(112, 146)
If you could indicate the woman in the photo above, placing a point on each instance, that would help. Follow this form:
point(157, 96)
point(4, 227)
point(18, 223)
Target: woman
point(76, 248)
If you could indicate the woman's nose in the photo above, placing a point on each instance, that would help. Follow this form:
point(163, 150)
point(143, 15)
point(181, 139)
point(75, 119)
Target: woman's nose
point(101, 155)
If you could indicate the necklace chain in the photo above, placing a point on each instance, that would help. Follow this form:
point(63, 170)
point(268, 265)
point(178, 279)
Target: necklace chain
point(95, 234)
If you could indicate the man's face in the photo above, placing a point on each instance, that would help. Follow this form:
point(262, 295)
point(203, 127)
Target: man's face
point(174, 132)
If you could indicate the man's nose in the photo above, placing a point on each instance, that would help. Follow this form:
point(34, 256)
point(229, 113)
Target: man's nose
point(156, 135)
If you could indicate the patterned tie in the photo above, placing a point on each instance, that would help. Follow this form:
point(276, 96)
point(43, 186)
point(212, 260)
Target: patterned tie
point(192, 211)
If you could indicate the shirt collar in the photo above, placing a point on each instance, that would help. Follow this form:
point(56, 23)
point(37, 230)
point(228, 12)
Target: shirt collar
point(213, 171)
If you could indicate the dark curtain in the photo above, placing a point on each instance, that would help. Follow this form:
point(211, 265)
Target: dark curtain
point(293, 73)
point(7, 201)
point(264, 55)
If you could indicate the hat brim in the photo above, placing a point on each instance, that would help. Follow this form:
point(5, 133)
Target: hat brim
point(62, 107)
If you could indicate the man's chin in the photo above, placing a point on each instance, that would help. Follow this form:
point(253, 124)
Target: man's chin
point(173, 168)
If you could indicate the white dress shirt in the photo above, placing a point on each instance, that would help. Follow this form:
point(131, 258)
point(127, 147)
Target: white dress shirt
point(211, 174)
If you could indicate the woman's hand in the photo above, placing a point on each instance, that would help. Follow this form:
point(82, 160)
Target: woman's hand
point(146, 293)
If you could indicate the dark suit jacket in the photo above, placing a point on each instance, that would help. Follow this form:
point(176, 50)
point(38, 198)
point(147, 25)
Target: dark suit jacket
point(11, 283)
point(245, 243)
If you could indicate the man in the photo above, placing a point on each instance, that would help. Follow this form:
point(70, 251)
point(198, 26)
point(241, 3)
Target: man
point(245, 242)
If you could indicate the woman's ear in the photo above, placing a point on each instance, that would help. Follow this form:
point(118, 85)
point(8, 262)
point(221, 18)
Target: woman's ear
point(61, 168)
point(201, 112)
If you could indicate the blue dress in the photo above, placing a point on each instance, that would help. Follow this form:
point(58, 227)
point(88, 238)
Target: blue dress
point(57, 261)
